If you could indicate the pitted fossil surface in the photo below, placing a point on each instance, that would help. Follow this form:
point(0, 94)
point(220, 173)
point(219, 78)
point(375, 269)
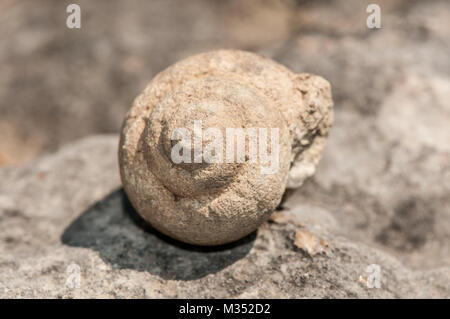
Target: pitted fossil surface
point(215, 203)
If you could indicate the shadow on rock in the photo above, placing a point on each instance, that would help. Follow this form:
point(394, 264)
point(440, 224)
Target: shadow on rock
point(114, 229)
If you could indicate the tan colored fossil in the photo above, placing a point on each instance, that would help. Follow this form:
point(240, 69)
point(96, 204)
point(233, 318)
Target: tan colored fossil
point(216, 203)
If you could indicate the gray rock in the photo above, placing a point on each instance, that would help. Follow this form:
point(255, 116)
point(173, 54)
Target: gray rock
point(67, 210)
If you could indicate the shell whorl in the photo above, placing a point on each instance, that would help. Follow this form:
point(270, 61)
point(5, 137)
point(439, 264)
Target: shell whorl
point(210, 203)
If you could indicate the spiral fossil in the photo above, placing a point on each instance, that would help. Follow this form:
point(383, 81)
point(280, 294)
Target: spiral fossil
point(215, 203)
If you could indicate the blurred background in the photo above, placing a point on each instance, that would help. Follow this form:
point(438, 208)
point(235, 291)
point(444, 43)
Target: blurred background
point(60, 84)
point(386, 169)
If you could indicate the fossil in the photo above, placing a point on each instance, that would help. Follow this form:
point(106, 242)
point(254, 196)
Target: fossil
point(216, 202)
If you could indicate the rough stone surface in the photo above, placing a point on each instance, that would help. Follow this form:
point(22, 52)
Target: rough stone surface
point(220, 202)
point(380, 194)
point(77, 214)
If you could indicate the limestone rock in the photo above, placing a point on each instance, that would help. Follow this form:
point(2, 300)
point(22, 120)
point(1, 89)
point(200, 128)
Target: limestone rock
point(76, 222)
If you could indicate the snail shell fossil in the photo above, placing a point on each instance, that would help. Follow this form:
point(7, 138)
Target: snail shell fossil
point(216, 203)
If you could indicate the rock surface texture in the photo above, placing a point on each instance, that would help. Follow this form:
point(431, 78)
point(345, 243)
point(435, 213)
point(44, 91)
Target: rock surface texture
point(380, 194)
point(220, 202)
point(77, 221)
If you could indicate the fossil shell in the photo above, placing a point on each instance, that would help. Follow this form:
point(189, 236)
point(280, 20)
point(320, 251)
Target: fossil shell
point(216, 203)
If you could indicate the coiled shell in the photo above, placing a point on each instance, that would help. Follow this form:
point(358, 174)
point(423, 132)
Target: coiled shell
point(216, 203)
